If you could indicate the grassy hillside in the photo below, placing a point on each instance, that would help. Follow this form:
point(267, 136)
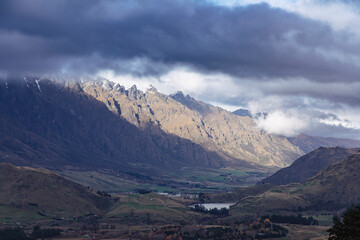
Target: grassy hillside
point(29, 191)
point(152, 208)
point(336, 186)
point(332, 189)
point(309, 164)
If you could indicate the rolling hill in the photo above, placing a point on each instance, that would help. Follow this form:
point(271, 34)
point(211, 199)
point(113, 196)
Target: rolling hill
point(39, 190)
point(309, 164)
point(335, 187)
point(332, 189)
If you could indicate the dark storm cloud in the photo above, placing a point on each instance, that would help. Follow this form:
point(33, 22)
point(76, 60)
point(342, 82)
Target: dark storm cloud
point(88, 35)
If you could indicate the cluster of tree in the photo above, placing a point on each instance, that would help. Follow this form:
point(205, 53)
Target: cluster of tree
point(347, 227)
point(144, 191)
point(213, 211)
point(276, 232)
point(203, 197)
point(292, 219)
point(103, 194)
point(19, 234)
point(45, 233)
point(13, 234)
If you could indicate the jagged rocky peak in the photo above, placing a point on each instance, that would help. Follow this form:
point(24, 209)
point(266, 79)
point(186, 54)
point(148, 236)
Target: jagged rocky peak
point(119, 88)
point(179, 97)
point(133, 89)
point(134, 92)
point(104, 83)
point(191, 103)
point(178, 94)
point(151, 89)
point(77, 87)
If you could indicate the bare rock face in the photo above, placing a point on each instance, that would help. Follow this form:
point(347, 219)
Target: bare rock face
point(234, 138)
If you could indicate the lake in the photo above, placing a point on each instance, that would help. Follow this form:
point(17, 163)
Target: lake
point(209, 206)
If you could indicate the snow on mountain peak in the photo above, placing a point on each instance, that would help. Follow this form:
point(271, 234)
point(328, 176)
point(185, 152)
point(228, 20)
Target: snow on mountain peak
point(151, 89)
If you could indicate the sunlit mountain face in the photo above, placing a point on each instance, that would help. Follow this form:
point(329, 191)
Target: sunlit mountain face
point(142, 111)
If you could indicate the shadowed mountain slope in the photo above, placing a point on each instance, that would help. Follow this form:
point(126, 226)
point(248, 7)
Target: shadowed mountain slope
point(309, 164)
point(46, 124)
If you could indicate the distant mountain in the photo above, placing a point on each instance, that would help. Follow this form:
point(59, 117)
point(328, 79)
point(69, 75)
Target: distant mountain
point(309, 164)
point(242, 112)
point(43, 123)
point(236, 139)
point(309, 143)
point(39, 190)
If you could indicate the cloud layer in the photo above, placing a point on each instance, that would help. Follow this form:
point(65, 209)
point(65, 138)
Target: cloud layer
point(297, 60)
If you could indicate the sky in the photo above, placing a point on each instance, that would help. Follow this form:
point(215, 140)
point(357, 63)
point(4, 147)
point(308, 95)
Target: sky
point(296, 60)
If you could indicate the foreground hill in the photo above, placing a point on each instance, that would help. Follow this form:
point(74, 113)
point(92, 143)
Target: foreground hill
point(332, 189)
point(309, 143)
point(43, 123)
point(234, 138)
point(309, 164)
point(40, 190)
point(336, 186)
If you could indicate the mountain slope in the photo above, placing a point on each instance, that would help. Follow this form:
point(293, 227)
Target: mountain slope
point(332, 189)
point(309, 164)
point(309, 143)
point(42, 190)
point(43, 123)
point(235, 138)
point(335, 187)
point(239, 136)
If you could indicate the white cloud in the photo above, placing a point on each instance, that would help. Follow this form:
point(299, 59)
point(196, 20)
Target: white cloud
point(180, 79)
point(281, 123)
point(293, 106)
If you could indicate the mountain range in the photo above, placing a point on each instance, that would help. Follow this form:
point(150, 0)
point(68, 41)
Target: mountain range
point(236, 139)
point(97, 124)
point(54, 126)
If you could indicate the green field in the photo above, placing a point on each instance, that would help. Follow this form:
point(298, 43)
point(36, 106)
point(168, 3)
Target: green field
point(185, 180)
point(324, 219)
point(12, 215)
point(152, 208)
